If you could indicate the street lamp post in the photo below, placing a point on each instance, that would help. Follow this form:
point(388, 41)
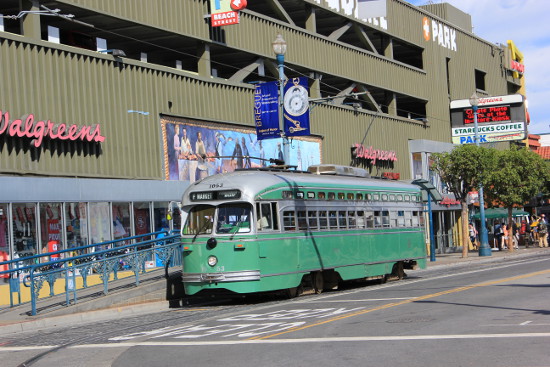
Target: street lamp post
point(279, 47)
point(484, 249)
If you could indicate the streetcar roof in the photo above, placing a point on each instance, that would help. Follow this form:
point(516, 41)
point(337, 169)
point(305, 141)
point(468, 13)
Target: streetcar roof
point(253, 182)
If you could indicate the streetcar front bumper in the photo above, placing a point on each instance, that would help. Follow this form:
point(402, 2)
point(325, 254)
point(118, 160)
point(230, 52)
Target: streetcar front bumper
point(229, 276)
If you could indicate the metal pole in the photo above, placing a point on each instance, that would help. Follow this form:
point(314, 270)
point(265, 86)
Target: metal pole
point(432, 238)
point(484, 249)
point(280, 65)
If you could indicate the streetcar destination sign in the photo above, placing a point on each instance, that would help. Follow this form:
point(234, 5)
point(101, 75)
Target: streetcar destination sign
point(215, 195)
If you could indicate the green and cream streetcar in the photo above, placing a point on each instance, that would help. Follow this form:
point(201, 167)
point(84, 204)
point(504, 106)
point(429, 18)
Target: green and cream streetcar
point(272, 230)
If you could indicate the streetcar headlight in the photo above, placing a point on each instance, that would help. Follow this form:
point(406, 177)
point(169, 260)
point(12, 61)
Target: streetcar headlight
point(212, 260)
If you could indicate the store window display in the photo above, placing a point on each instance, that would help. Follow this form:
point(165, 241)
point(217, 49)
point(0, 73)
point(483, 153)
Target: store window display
point(24, 227)
point(121, 220)
point(76, 224)
point(51, 225)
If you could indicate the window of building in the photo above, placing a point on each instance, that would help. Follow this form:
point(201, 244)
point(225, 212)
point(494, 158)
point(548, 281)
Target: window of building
point(480, 79)
point(24, 227)
point(51, 226)
point(76, 224)
point(121, 221)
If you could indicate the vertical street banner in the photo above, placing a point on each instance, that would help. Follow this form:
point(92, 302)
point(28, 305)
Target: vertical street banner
point(296, 107)
point(266, 110)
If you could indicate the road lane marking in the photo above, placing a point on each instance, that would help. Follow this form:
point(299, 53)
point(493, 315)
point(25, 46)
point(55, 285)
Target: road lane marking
point(357, 339)
point(404, 302)
point(526, 323)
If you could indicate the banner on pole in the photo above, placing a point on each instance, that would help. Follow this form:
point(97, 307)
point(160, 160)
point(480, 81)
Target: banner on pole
point(296, 107)
point(266, 110)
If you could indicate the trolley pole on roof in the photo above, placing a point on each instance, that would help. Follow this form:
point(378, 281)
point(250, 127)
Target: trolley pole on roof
point(484, 249)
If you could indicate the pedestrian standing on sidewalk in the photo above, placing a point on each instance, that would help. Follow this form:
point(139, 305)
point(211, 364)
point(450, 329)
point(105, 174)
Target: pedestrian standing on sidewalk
point(542, 229)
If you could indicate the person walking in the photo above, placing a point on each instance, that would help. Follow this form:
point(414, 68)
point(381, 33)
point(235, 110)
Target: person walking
point(473, 235)
point(498, 233)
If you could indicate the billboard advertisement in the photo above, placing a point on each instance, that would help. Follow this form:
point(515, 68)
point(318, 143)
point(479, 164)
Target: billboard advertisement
point(196, 149)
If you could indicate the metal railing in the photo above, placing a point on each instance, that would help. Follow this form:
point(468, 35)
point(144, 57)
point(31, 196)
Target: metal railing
point(105, 259)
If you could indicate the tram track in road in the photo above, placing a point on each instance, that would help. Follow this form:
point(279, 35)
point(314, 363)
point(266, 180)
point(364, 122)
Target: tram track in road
point(213, 310)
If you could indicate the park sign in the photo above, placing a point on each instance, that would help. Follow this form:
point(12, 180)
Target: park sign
point(500, 118)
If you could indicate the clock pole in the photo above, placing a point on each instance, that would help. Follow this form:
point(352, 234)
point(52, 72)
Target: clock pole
point(279, 47)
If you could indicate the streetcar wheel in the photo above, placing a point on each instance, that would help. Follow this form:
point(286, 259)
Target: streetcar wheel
point(317, 282)
point(292, 292)
point(384, 279)
point(398, 270)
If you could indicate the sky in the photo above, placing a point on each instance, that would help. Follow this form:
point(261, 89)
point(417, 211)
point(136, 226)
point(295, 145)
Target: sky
point(526, 23)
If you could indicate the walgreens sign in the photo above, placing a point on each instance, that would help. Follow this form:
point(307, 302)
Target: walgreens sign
point(28, 127)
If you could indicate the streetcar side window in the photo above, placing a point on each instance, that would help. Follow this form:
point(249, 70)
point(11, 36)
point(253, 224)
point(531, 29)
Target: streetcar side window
point(312, 219)
point(341, 196)
point(275, 216)
point(331, 196)
point(385, 218)
point(323, 222)
point(377, 218)
point(350, 196)
point(332, 220)
point(415, 219)
point(342, 222)
point(359, 197)
point(289, 222)
point(302, 220)
point(369, 215)
point(401, 218)
point(352, 222)
point(408, 219)
point(265, 217)
point(321, 195)
point(360, 219)
point(393, 219)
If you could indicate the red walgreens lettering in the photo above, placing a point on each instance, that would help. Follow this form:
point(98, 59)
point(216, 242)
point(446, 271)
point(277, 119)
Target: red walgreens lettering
point(374, 154)
point(38, 130)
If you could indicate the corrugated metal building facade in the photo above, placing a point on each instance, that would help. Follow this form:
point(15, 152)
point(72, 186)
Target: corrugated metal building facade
point(178, 68)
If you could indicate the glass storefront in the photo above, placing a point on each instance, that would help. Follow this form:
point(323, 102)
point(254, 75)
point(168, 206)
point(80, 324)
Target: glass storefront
point(75, 224)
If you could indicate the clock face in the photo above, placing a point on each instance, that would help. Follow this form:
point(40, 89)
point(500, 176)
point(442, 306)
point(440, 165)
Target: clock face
point(296, 100)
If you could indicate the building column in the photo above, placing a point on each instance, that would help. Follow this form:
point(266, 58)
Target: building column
point(391, 103)
point(204, 65)
point(30, 23)
point(311, 19)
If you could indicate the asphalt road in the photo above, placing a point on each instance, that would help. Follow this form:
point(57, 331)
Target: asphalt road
point(480, 315)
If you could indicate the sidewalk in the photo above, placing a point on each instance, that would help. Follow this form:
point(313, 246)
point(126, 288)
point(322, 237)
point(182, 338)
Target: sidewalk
point(109, 307)
point(456, 259)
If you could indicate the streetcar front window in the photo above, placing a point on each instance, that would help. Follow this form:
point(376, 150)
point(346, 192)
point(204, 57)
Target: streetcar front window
point(233, 218)
point(200, 220)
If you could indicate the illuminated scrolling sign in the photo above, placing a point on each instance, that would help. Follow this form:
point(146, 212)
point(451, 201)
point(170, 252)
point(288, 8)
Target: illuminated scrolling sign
point(488, 114)
point(500, 118)
point(215, 195)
